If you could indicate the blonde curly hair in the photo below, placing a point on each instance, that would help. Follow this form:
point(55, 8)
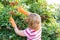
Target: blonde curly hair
point(33, 20)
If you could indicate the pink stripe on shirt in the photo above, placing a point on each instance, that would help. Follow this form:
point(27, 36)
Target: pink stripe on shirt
point(33, 35)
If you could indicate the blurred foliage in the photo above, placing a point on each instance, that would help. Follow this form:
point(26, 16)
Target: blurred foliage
point(50, 26)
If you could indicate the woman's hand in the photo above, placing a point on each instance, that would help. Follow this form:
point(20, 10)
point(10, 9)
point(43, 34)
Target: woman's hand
point(17, 31)
point(11, 20)
point(20, 9)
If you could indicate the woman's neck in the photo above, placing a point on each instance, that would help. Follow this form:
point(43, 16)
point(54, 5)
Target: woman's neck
point(37, 28)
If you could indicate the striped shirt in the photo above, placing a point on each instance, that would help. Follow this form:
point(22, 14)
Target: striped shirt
point(32, 34)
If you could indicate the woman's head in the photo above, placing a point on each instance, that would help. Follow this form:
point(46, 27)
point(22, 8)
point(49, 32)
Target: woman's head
point(33, 20)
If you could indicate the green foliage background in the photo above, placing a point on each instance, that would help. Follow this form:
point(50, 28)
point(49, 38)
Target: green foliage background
point(50, 26)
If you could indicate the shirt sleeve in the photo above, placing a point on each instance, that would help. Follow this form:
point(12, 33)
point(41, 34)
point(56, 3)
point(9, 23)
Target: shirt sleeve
point(27, 33)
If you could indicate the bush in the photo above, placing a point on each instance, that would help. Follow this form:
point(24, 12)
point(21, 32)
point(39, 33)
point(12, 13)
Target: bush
point(49, 24)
